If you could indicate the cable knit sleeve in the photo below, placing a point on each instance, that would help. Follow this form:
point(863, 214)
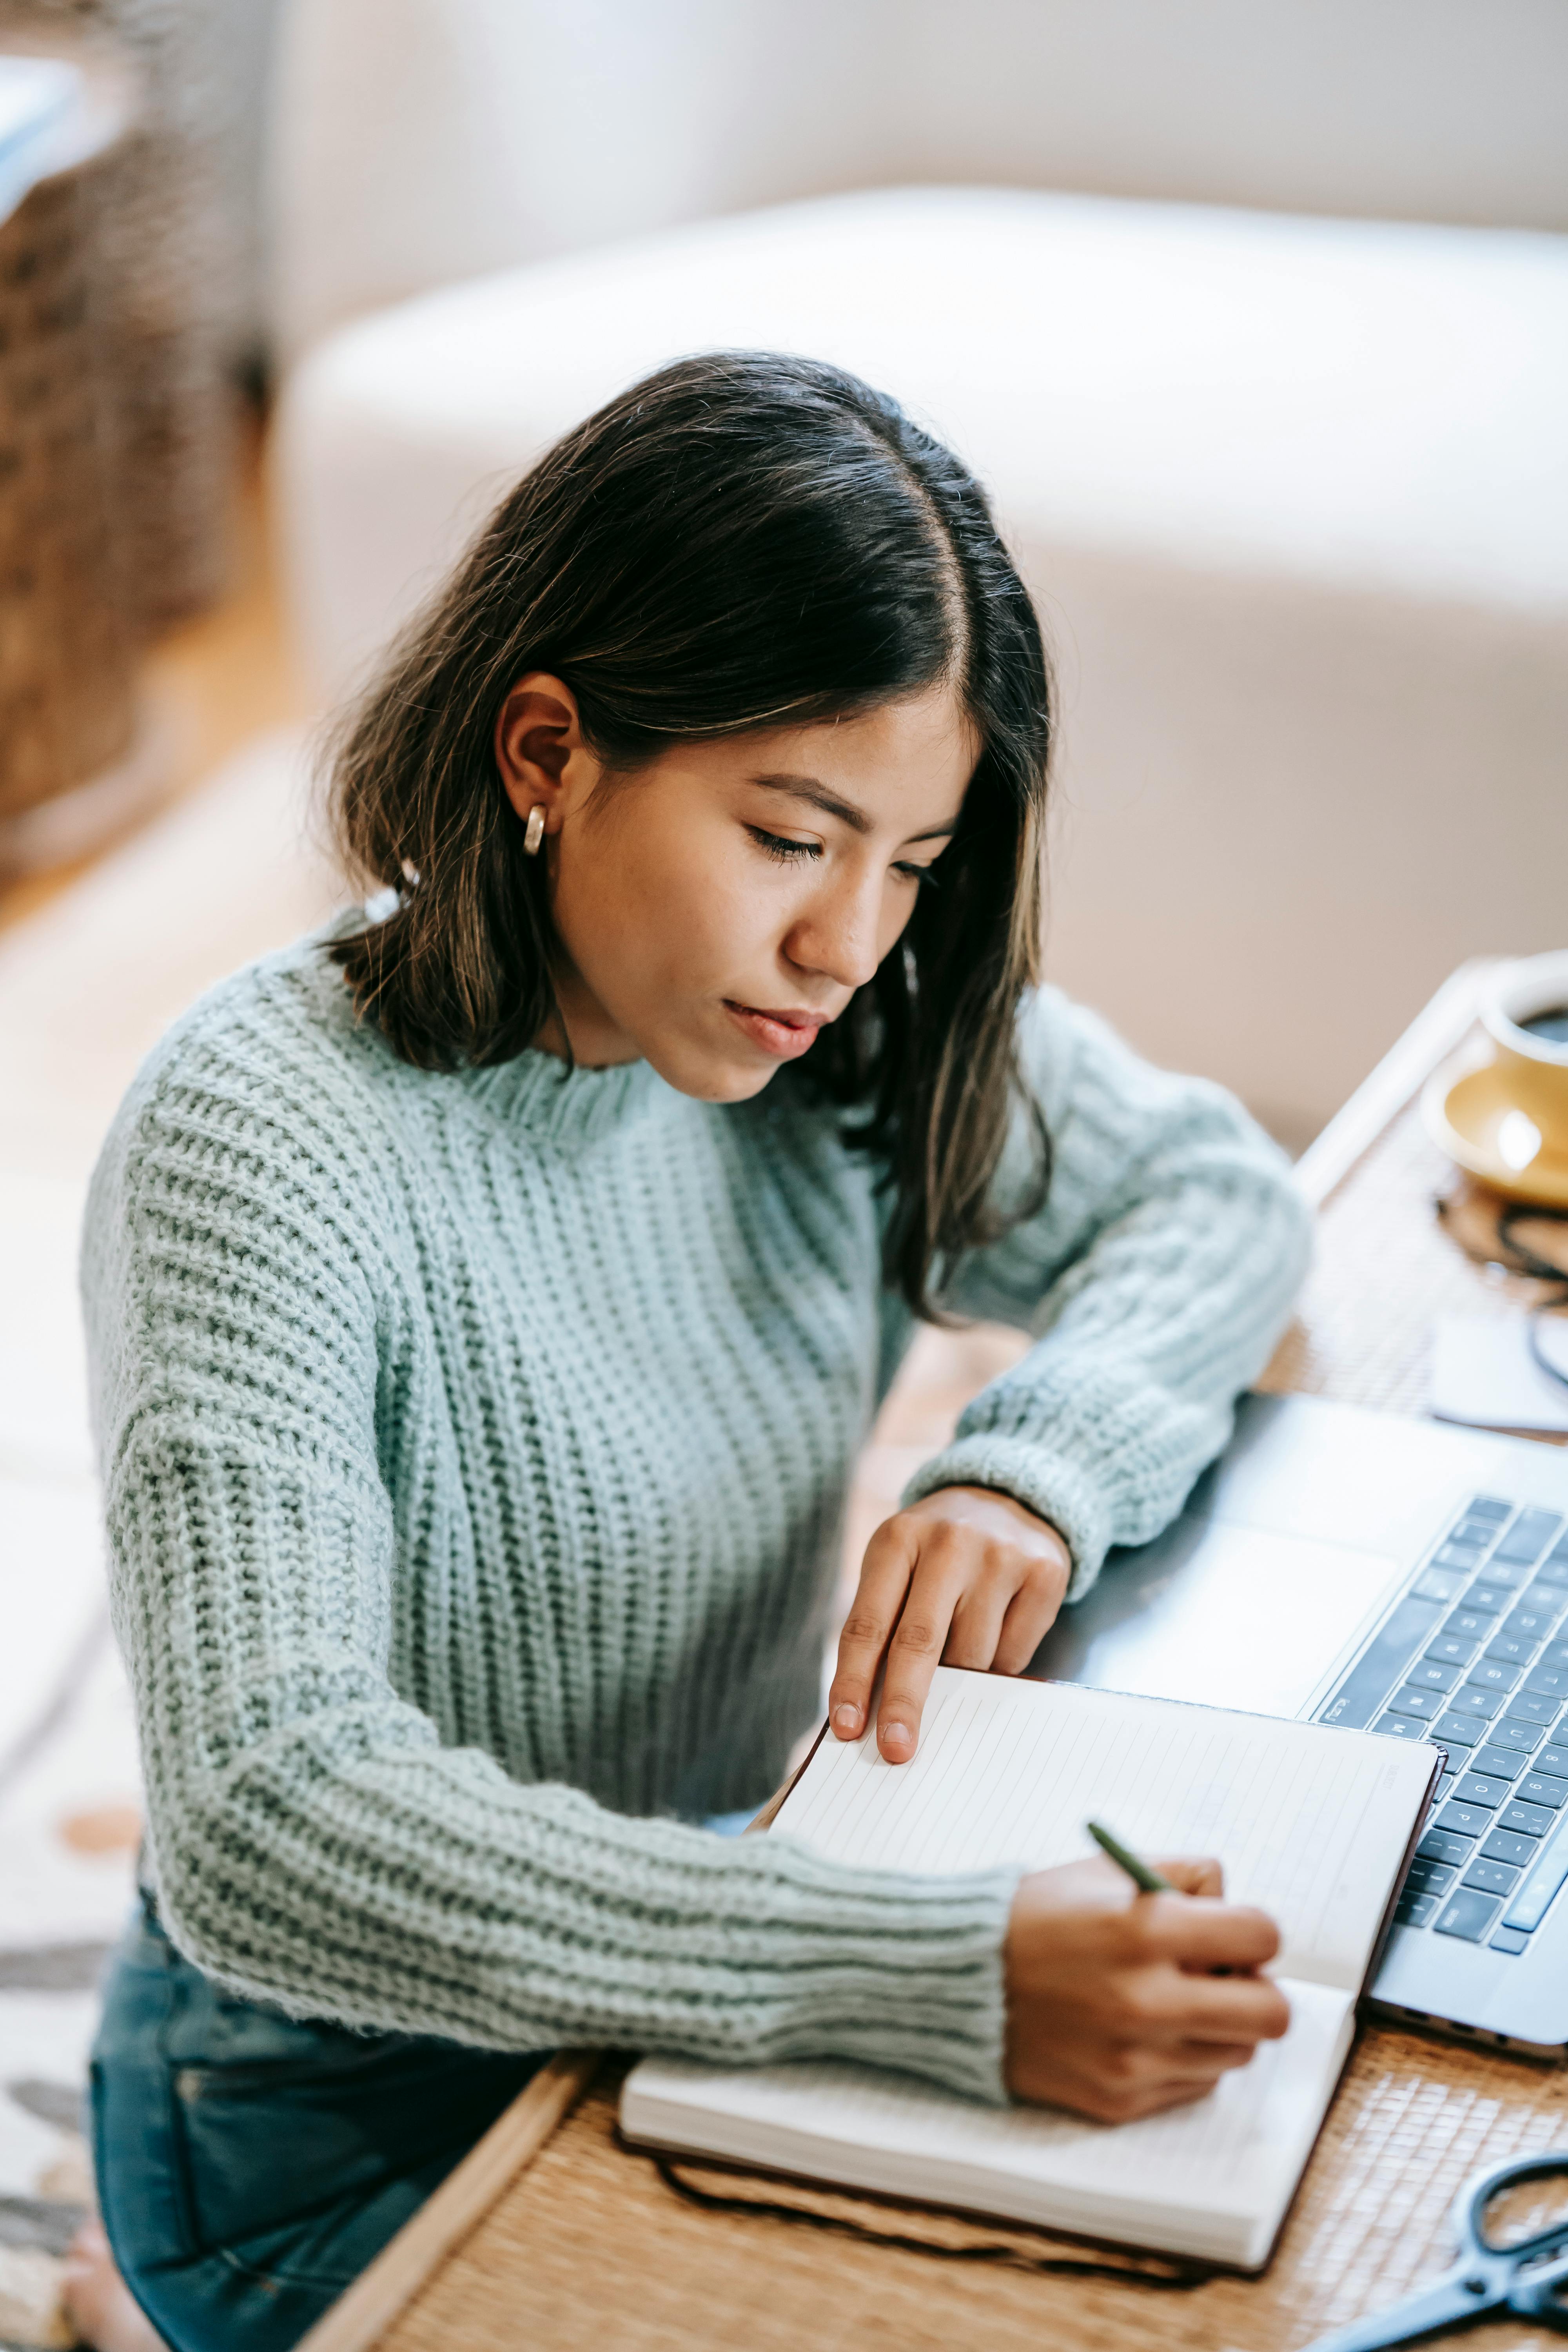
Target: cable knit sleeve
point(1156, 1279)
point(315, 1842)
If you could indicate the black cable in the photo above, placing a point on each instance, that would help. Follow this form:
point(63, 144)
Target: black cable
point(1554, 1372)
point(1522, 1260)
point(1005, 2257)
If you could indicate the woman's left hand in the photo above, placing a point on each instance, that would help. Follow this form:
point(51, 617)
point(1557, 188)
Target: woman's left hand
point(967, 1576)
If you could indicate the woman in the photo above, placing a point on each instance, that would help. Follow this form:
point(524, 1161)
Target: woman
point(487, 1301)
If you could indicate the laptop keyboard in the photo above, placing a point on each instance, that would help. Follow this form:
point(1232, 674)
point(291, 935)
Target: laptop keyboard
point(1475, 1657)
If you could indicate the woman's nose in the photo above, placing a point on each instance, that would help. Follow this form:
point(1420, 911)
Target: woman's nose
point(837, 937)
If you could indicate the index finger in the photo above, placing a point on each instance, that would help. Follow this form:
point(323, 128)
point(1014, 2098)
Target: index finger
point(1195, 1932)
point(884, 1581)
point(914, 1654)
point(1193, 1875)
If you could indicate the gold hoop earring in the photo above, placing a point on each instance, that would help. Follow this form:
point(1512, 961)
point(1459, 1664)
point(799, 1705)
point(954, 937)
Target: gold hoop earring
point(533, 832)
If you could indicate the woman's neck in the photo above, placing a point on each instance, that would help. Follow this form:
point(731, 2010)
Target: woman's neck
point(579, 1030)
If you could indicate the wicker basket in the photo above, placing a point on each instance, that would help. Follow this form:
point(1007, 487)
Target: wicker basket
point(67, 703)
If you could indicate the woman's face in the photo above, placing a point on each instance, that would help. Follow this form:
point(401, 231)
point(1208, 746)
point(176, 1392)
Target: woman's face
point(718, 908)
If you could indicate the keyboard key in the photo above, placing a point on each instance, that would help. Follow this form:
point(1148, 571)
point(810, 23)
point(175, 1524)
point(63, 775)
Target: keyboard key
point(1484, 1703)
point(1508, 1845)
point(1447, 1650)
point(1488, 1507)
point(1491, 1877)
point(1521, 1737)
point(1469, 1915)
point(1473, 1531)
point(1424, 1703)
point(1473, 1624)
point(1555, 1654)
point(1554, 1759)
point(1458, 1730)
point(1507, 1939)
point(1553, 1569)
point(1528, 1625)
point(1400, 1726)
point(1523, 1707)
point(1430, 1674)
point(1530, 1534)
point(1431, 1877)
point(1498, 1761)
point(1457, 1555)
point(1443, 1845)
point(1490, 1674)
point(1539, 1886)
point(1493, 1597)
point(1548, 1681)
point(1546, 1598)
point(1511, 1649)
point(1415, 1910)
point(1533, 1819)
point(1480, 1789)
point(1439, 1583)
point(1469, 1820)
point(1381, 1666)
point(1541, 1789)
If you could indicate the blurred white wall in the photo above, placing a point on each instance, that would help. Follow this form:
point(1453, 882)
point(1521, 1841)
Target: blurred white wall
point(1420, 110)
point(443, 139)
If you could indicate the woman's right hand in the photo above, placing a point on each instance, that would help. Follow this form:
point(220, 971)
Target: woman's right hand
point(1120, 2003)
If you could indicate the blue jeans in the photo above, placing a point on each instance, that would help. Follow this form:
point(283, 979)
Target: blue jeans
point(250, 2164)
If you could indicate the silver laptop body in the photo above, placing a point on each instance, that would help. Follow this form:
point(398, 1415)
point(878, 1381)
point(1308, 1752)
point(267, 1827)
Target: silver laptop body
point(1395, 1576)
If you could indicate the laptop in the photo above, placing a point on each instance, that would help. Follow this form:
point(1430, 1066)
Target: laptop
point(1404, 1577)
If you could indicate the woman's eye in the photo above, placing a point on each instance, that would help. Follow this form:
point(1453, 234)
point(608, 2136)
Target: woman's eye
point(923, 874)
point(778, 846)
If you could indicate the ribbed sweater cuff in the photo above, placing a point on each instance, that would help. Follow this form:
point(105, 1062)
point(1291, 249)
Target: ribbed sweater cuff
point(928, 1997)
point(1051, 1485)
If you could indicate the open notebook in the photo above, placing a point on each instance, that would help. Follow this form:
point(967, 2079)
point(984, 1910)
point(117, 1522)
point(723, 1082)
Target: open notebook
point(1315, 1826)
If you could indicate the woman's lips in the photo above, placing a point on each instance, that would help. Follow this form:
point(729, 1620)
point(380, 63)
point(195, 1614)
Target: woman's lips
point(785, 1035)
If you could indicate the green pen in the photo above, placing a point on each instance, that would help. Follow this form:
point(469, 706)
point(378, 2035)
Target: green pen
point(1148, 1882)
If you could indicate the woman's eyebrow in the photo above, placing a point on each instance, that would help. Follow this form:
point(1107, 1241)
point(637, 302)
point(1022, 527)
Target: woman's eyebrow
point(806, 788)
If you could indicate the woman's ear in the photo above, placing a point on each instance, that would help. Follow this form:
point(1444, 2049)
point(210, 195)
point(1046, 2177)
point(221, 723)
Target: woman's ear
point(539, 751)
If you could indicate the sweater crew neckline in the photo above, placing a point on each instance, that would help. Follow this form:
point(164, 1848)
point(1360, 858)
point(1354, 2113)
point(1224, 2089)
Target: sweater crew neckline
point(538, 1092)
point(567, 1107)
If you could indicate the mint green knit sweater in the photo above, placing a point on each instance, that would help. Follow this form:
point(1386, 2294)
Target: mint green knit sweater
point(475, 1451)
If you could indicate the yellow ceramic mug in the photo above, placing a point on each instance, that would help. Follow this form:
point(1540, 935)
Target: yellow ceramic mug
point(1525, 1014)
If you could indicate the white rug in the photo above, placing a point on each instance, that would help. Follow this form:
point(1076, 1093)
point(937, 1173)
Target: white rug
point(87, 986)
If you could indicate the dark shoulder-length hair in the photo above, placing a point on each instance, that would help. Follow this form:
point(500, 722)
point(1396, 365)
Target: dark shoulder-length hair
point(743, 541)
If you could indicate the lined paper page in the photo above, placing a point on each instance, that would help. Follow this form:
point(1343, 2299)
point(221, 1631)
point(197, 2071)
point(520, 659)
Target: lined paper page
point(1213, 2178)
point(1309, 1822)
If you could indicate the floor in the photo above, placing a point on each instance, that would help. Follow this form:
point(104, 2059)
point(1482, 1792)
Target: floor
point(94, 962)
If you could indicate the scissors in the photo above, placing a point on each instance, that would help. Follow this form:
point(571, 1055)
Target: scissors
point(1487, 2280)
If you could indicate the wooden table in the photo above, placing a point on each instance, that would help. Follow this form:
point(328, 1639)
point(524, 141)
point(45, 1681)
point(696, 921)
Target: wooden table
point(551, 2236)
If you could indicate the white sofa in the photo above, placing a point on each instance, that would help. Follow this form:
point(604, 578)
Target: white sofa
point(1292, 494)
point(417, 143)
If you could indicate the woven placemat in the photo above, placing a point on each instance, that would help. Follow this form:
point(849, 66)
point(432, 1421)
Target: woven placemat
point(592, 2246)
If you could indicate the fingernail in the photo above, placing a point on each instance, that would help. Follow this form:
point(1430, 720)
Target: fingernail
point(847, 1720)
point(897, 1735)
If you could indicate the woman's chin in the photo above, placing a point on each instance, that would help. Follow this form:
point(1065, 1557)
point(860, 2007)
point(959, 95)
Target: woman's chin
point(696, 1070)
